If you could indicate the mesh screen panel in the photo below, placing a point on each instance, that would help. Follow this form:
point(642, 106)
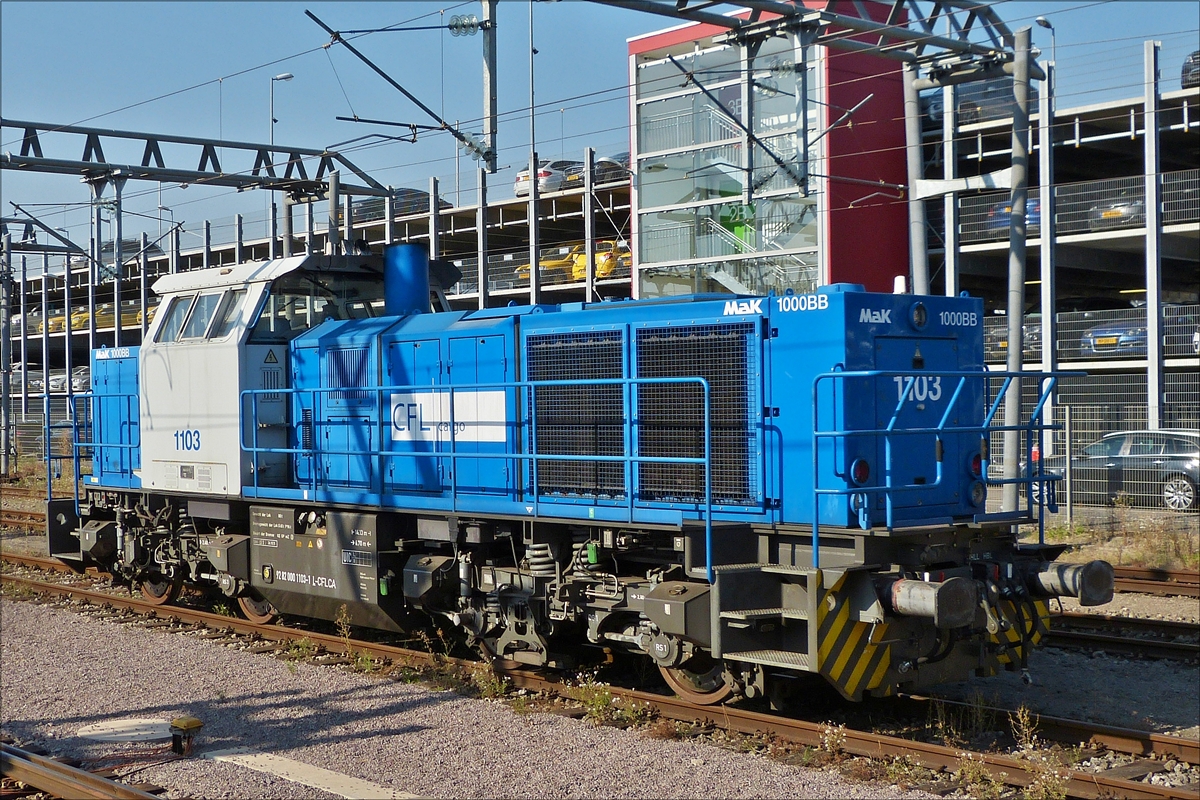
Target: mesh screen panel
point(578, 420)
point(671, 417)
point(347, 369)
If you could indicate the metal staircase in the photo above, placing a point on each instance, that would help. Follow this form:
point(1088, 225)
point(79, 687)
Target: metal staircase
point(762, 614)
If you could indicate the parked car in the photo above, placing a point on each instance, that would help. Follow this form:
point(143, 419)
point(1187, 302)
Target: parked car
point(555, 268)
point(979, 101)
point(1128, 337)
point(1146, 468)
point(996, 337)
point(1189, 76)
point(607, 169)
point(1126, 211)
point(1000, 215)
point(552, 176)
point(404, 202)
point(18, 374)
point(81, 379)
point(58, 381)
point(55, 322)
point(610, 257)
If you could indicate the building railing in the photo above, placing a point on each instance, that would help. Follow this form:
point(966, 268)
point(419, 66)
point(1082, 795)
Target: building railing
point(1089, 206)
point(1104, 335)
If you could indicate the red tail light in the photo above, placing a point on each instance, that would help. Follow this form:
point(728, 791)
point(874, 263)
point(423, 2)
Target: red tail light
point(543, 173)
point(977, 465)
point(860, 471)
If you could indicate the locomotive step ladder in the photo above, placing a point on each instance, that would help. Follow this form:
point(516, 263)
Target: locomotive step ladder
point(761, 614)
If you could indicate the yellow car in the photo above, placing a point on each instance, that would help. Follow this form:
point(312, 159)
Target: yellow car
point(562, 264)
point(79, 319)
point(610, 257)
point(55, 323)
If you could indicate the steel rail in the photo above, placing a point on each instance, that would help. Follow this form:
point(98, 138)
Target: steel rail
point(1060, 729)
point(12, 516)
point(62, 780)
point(1099, 631)
point(1185, 582)
point(1009, 770)
point(1012, 771)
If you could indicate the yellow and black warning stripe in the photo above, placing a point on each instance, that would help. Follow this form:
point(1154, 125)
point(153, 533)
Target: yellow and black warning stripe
point(846, 654)
point(1022, 628)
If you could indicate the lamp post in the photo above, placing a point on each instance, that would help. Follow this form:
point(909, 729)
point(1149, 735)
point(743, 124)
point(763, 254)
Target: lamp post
point(1045, 23)
point(286, 76)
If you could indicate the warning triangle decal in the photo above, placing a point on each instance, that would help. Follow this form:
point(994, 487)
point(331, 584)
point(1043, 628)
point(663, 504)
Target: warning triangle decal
point(271, 359)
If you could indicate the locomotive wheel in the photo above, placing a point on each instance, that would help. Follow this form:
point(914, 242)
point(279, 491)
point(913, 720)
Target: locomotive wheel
point(257, 610)
point(699, 680)
point(160, 590)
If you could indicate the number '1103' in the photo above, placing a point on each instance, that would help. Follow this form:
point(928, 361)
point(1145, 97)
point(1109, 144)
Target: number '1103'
point(187, 440)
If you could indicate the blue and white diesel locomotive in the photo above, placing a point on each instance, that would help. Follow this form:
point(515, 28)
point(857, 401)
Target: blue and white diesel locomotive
point(741, 489)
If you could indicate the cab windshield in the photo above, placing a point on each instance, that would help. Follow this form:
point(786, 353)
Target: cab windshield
point(301, 300)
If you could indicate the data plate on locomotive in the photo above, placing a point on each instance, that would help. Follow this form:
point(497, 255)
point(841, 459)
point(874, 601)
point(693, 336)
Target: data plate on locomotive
point(332, 555)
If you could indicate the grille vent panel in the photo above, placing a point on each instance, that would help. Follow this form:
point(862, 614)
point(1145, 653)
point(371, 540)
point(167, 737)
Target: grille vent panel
point(347, 369)
point(671, 417)
point(578, 420)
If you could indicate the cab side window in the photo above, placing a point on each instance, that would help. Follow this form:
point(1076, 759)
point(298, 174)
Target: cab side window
point(176, 314)
point(230, 312)
point(202, 314)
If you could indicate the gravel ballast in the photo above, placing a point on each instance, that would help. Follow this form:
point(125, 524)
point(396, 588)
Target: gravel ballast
point(62, 671)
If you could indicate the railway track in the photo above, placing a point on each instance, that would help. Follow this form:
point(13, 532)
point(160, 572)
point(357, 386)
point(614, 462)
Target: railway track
point(1130, 636)
point(62, 780)
point(22, 491)
point(801, 732)
point(1184, 582)
point(17, 518)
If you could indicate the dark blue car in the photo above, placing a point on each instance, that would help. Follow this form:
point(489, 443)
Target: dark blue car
point(1000, 215)
point(1127, 338)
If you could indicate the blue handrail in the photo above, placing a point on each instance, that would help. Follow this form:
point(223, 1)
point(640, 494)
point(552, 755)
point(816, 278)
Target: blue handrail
point(627, 458)
point(1032, 427)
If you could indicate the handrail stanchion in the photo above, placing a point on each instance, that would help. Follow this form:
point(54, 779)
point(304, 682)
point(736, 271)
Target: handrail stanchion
point(453, 454)
point(708, 529)
point(816, 472)
point(533, 451)
point(630, 446)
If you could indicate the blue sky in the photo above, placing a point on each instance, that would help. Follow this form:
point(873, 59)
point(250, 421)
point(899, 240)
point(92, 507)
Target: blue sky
point(102, 64)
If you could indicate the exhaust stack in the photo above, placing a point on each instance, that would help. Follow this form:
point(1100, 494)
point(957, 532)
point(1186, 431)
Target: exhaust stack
point(405, 280)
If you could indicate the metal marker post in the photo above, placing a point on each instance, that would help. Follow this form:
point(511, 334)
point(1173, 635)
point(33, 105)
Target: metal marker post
point(6, 354)
point(239, 241)
point(1016, 267)
point(1066, 411)
point(481, 221)
point(918, 252)
point(589, 226)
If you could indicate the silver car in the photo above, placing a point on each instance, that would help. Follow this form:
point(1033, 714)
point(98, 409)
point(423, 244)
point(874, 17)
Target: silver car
point(552, 176)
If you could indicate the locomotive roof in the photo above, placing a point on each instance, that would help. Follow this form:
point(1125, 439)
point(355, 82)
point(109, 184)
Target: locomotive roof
point(262, 271)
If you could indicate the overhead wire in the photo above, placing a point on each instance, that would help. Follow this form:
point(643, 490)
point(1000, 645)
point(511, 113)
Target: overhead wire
point(547, 106)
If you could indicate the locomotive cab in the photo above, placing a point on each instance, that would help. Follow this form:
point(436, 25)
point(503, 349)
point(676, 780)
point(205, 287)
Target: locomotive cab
point(223, 332)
